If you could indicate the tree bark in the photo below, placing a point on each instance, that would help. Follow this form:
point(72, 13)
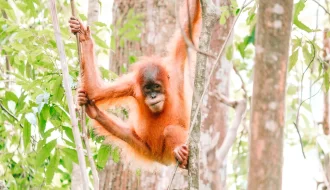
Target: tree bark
point(215, 123)
point(93, 11)
point(159, 22)
point(209, 18)
point(268, 101)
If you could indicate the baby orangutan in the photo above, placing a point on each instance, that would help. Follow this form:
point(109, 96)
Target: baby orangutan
point(159, 88)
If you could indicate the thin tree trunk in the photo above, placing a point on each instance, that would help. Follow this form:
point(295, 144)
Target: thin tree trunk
point(68, 94)
point(209, 18)
point(93, 11)
point(268, 101)
point(216, 121)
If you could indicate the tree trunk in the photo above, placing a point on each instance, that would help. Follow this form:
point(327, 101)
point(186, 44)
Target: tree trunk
point(159, 22)
point(93, 11)
point(209, 19)
point(215, 123)
point(268, 101)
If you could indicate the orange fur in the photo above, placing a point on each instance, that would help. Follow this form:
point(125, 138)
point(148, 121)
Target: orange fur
point(160, 133)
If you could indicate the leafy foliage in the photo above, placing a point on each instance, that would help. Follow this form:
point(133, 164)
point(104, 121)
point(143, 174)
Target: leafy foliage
point(37, 149)
point(36, 141)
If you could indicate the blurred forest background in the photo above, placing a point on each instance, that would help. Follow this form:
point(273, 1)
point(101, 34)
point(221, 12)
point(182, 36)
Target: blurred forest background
point(37, 149)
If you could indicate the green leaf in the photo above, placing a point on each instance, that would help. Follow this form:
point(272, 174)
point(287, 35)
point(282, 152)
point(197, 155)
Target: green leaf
point(71, 153)
point(224, 16)
point(230, 52)
point(293, 59)
point(132, 59)
point(241, 47)
point(103, 155)
point(292, 90)
point(42, 125)
point(66, 162)
point(100, 24)
point(58, 90)
point(45, 112)
point(68, 132)
point(233, 3)
point(52, 166)
point(31, 7)
point(100, 42)
point(82, 17)
point(22, 34)
point(307, 55)
point(302, 26)
point(26, 134)
point(45, 152)
point(115, 155)
point(297, 9)
point(49, 132)
point(11, 96)
point(20, 103)
point(4, 4)
point(296, 43)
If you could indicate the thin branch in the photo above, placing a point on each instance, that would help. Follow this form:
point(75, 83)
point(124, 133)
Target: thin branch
point(15, 118)
point(240, 108)
point(319, 4)
point(242, 81)
point(68, 94)
point(90, 157)
point(327, 8)
point(301, 85)
point(11, 115)
point(214, 66)
point(300, 139)
point(83, 114)
point(173, 175)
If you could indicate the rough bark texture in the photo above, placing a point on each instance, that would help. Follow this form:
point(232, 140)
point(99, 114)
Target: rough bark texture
point(159, 24)
point(268, 101)
point(215, 123)
point(209, 18)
